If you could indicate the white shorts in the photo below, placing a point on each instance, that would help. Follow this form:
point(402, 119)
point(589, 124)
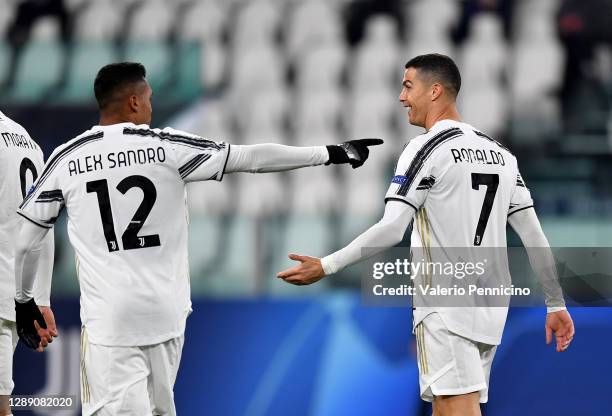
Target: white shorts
point(134, 381)
point(8, 342)
point(450, 364)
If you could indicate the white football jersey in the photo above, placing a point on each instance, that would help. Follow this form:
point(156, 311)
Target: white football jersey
point(21, 161)
point(123, 187)
point(463, 185)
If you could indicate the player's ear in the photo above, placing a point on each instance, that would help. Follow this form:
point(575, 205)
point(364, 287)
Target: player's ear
point(134, 103)
point(436, 91)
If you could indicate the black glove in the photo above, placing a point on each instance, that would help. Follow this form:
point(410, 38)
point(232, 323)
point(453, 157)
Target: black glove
point(27, 313)
point(354, 152)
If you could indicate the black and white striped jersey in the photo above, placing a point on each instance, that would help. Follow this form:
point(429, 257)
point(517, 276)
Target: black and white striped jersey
point(21, 161)
point(463, 186)
point(123, 187)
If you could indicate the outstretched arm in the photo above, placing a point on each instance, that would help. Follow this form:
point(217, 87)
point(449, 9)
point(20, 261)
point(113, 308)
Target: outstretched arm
point(388, 232)
point(558, 320)
point(269, 157)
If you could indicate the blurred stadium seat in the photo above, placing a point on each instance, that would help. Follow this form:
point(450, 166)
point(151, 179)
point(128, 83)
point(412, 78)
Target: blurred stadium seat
point(377, 60)
point(100, 21)
point(257, 21)
point(204, 21)
point(483, 59)
point(321, 66)
point(45, 30)
point(156, 57)
point(317, 116)
point(152, 21)
point(536, 71)
point(39, 70)
point(86, 60)
point(263, 116)
point(311, 22)
point(255, 67)
point(6, 15)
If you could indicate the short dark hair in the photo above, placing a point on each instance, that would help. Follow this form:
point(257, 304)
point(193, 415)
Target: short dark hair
point(111, 78)
point(441, 68)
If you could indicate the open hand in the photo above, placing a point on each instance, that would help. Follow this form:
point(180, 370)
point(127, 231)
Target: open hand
point(561, 324)
point(46, 336)
point(307, 272)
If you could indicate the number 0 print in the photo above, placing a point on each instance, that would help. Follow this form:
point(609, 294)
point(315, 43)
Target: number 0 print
point(491, 180)
point(26, 165)
point(130, 238)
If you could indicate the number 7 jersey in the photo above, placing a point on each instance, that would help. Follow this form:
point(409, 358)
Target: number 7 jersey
point(463, 186)
point(123, 187)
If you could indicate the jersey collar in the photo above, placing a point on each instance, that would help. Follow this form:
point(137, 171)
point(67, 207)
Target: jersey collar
point(119, 126)
point(444, 124)
point(125, 124)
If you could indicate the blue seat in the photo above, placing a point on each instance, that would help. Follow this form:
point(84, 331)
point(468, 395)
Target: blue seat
point(87, 59)
point(155, 56)
point(40, 68)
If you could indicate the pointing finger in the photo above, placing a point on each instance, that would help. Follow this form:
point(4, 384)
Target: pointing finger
point(371, 142)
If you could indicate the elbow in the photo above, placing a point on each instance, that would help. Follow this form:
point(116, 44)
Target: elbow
point(388, 234)
point(395, 235)
point(397, 238)
point(25, 246)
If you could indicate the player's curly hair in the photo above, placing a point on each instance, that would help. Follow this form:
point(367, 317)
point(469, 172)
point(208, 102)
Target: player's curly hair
point(113, 77)
point(440, 68)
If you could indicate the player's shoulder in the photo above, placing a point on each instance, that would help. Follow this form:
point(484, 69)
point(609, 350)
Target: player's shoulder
point(427, 143)
point(415, 143)
point(9, 123)
point(146, 130)
point(177, 138)
point(18, 134)
point(441, 132)
point(484, 136)
point(92, 135)
point(80, 142)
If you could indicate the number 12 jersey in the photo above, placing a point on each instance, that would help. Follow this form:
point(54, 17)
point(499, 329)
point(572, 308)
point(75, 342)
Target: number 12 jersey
point(123, 187)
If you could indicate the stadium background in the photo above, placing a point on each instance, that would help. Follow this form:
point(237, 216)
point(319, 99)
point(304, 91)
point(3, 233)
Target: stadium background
point(537, 75)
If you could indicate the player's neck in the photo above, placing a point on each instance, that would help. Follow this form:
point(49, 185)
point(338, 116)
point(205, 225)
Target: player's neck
point(113, 118)
point(447, 113)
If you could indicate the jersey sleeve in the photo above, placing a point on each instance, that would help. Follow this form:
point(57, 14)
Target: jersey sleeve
point(39, 161)
point(521, 197)
point(45, 199)
point(196, 158)
point(412, 179)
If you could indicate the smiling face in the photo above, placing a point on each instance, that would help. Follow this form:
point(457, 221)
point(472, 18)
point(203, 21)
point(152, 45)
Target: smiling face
point(416, 96)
